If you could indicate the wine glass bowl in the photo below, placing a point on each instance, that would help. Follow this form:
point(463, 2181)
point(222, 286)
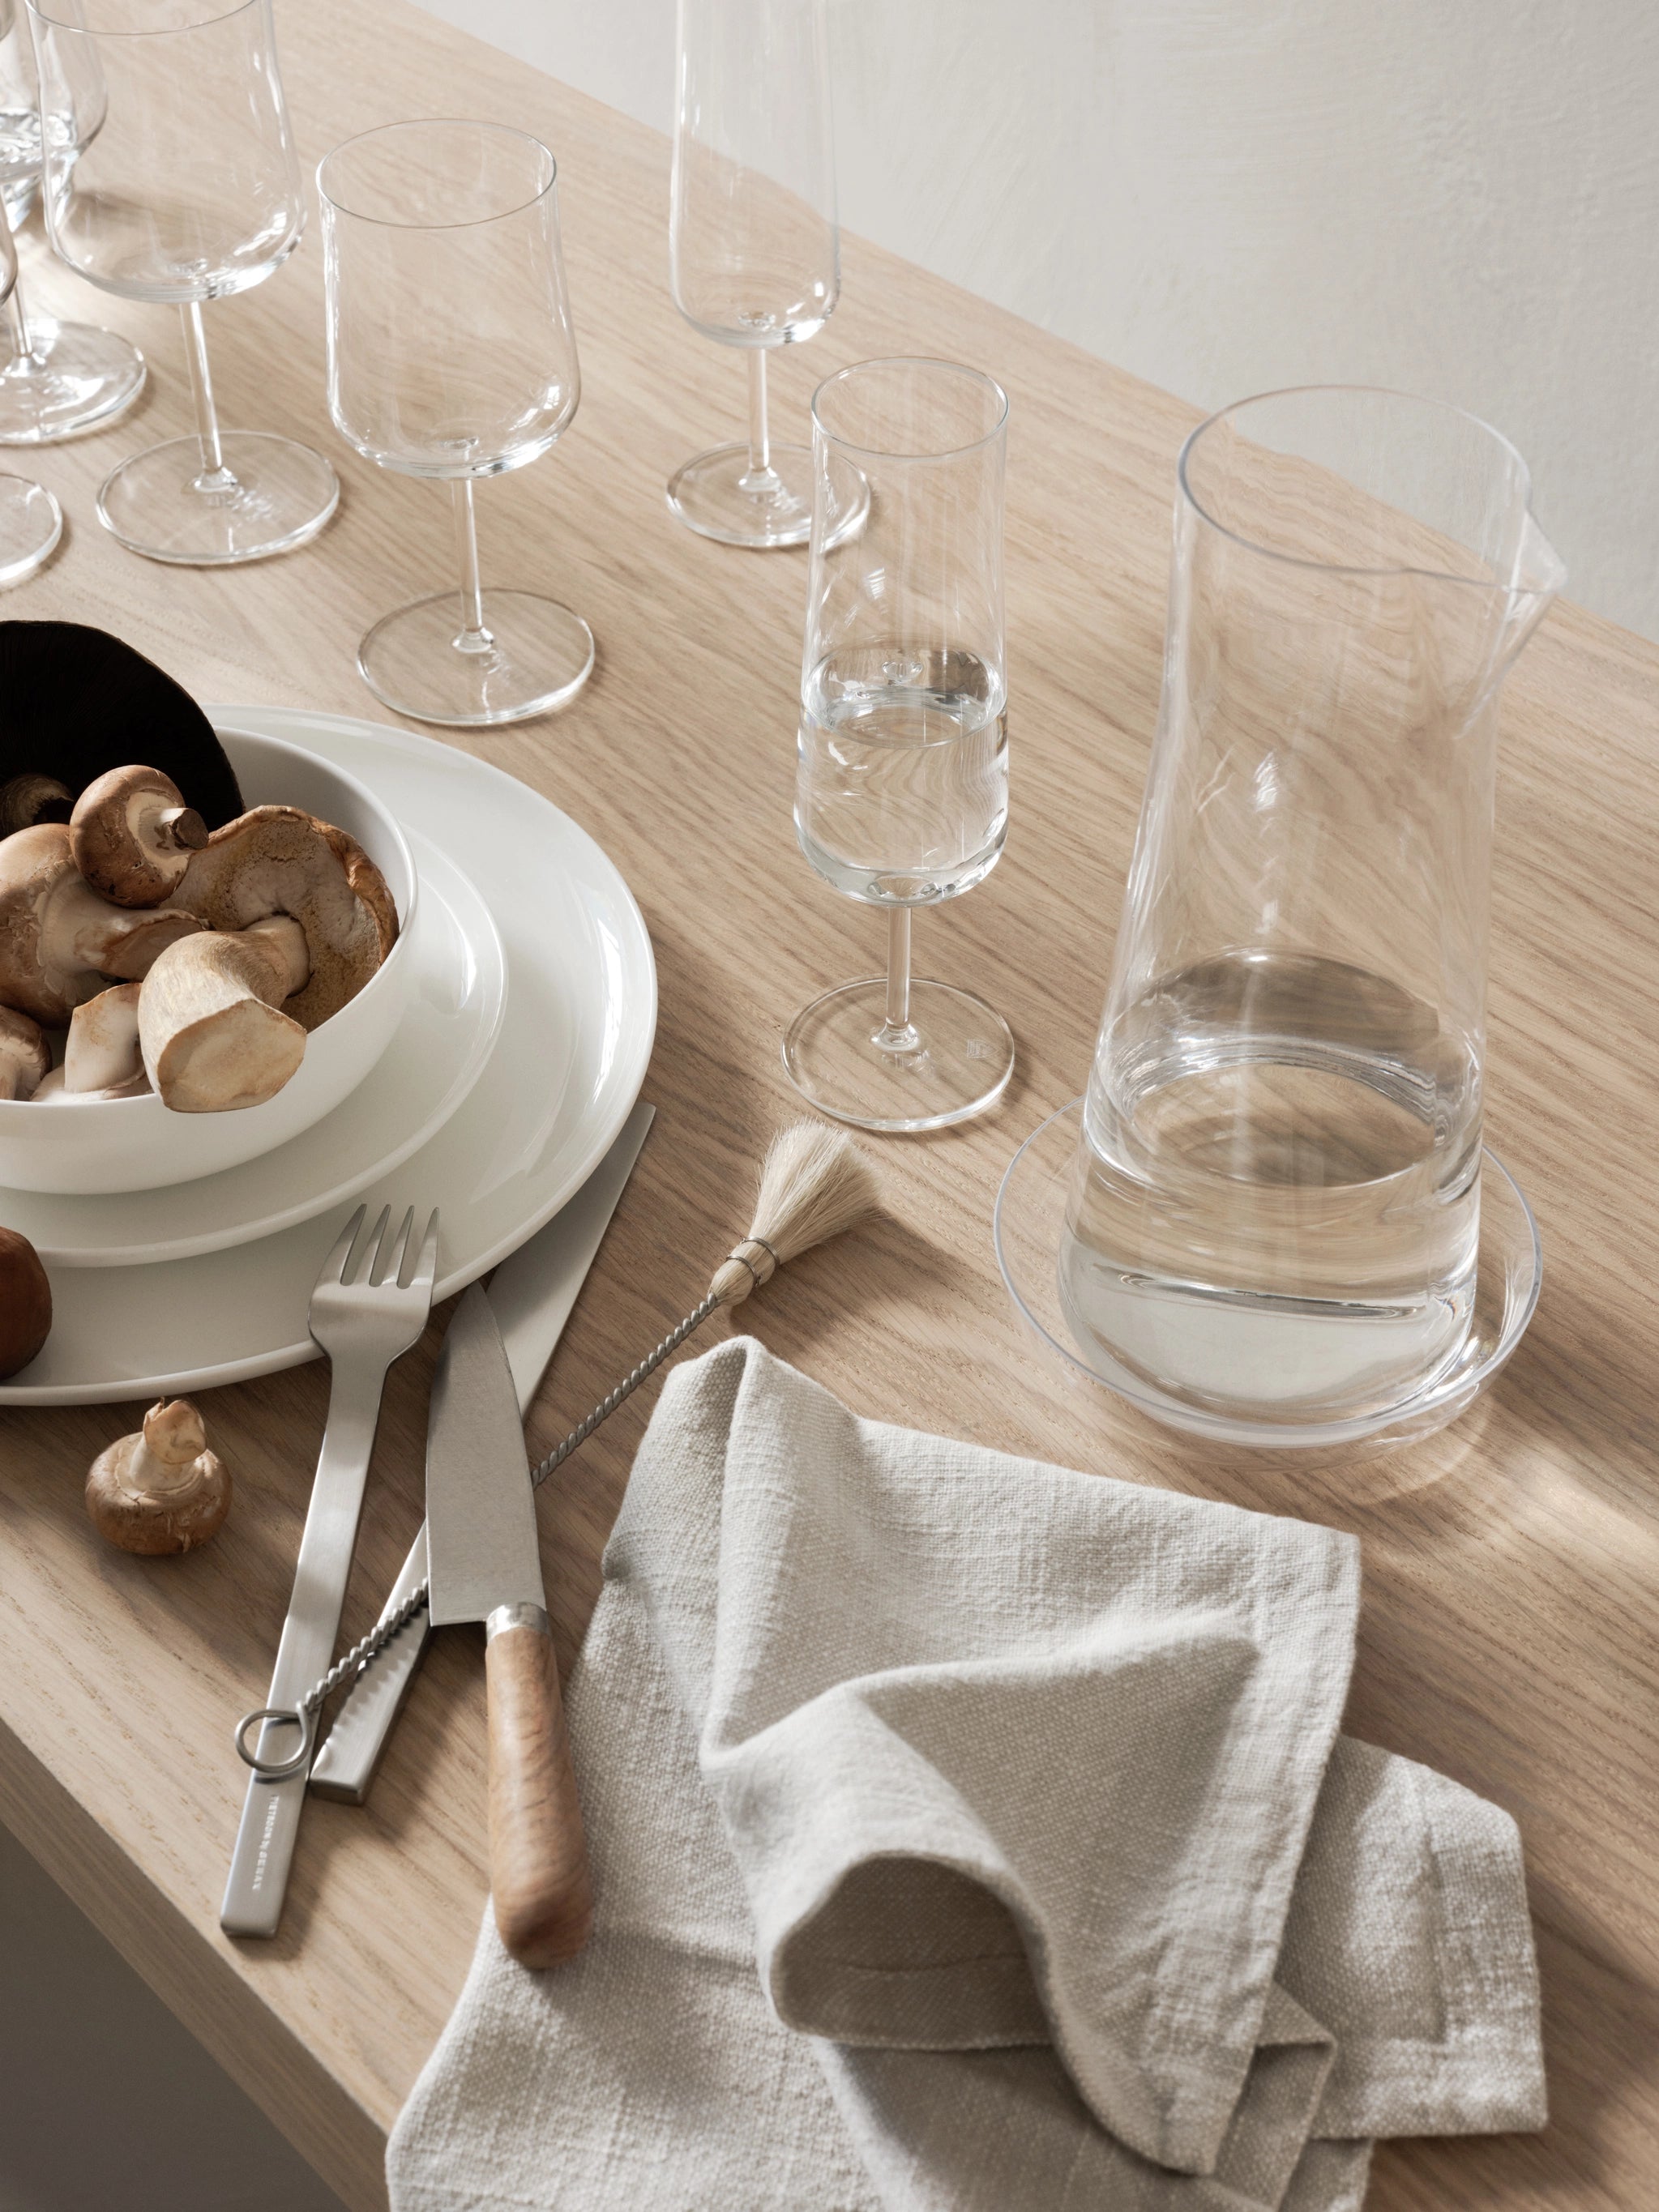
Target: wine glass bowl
point(170, 176)
point(452, 355)
point(902, 774)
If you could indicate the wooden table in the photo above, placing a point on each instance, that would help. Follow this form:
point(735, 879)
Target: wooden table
point(1509, 1630)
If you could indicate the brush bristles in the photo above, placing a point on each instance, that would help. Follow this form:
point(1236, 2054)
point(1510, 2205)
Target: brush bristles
point(815, 1183)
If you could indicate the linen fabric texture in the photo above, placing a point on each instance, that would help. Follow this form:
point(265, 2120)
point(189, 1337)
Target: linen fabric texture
point(969, 1835)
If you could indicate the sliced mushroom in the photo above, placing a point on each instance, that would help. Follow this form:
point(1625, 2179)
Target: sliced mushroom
point(278, 860)
point(24, 1057)
point(79, 701)
point(210, 1024)
point(132, 835)
point(102, 1053)
point(25, 1303)
point(58, 939)
point(159, 1490)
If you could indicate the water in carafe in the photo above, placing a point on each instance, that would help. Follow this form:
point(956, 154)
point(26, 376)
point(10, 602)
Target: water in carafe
point(1276, 1204)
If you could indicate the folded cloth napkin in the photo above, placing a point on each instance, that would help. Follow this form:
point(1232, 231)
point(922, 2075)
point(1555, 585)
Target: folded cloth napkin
point(973, 1836)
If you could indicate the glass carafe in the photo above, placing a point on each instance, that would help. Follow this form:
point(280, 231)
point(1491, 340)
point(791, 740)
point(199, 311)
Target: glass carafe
point(1275, 1205)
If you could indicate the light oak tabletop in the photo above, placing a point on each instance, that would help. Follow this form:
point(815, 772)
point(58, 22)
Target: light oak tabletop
point(1510, 1630)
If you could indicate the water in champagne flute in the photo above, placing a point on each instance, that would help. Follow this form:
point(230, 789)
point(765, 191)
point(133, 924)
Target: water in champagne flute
point(902, 781)
point(1277, 1205)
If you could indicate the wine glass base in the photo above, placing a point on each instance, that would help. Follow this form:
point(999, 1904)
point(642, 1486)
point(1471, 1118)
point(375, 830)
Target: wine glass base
point(276, 495)
point(716, 497)
point(31, 524)
point(78, 379)
point(538, 657)
point(959, 1066)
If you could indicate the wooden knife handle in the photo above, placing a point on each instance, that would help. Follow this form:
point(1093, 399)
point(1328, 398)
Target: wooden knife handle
point(537, 1853)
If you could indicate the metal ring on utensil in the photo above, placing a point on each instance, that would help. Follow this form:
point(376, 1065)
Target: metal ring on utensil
point(272, 1770)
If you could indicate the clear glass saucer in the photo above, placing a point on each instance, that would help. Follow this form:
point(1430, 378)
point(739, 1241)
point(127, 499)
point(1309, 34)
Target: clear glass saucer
point(1030, 1213)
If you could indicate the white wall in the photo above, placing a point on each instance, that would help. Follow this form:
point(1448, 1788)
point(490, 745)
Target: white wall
point(1461, 197)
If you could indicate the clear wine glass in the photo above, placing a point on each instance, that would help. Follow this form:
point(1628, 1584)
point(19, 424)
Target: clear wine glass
point(57, 379)
point(754, 251)
point(31, 520)
point(188, 191)
point(20, 118)
point(902, 781)
point(452, 354)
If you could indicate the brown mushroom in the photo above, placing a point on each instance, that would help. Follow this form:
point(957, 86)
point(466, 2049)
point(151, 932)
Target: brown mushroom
point(24, 1058)
point(159, 1490)
point(102, 1053)
point(211, 1024)
point(276, 859)
point(132, 835)
point(25, 1303)
point(58, 939)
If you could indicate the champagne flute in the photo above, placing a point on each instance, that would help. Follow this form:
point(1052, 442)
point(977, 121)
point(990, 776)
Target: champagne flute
point(754, 251)
point(451, 354)
point(902, 779)
point(31, 520)
point(57, 379)
point(188, 192)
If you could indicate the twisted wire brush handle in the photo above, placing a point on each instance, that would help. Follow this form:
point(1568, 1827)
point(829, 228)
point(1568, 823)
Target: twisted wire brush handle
point(304, 1717)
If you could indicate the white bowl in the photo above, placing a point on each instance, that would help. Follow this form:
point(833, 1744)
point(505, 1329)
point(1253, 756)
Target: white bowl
point(136, 1143)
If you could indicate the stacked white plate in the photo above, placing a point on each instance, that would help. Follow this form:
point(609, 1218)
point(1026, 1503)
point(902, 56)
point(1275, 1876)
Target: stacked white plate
point(524, 1046)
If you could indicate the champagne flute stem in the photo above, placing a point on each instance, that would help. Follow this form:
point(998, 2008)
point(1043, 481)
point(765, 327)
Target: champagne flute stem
point(896, 1033)
point(474, 637)
point(214, 476)
point(759, 478)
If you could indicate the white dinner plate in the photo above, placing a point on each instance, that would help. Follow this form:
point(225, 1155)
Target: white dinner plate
point(437, 1052)
point(575, 1034)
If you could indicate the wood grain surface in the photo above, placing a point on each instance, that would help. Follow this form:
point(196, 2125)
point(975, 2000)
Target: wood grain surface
point(1509, 1627)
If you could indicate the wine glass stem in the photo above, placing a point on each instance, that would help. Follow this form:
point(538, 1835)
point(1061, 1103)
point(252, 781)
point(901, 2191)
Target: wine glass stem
point(759, 478)
point(20, 337)
point(214, 478)
point(474, 637)
point(896, 1033)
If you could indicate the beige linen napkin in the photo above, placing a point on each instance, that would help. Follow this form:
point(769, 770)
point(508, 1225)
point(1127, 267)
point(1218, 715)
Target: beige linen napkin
point(974, 1836)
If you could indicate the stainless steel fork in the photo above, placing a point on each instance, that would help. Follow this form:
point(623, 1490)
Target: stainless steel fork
point(362, 1316)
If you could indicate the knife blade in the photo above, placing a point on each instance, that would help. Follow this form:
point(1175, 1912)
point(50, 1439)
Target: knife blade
point(486, 1565)
point(532, 1292)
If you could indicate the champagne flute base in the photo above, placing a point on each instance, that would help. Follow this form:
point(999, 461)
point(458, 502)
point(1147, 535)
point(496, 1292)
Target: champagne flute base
point(31, 524)
point(955, 1061)
point(718, 496)
point(272, 495)
point(532, 655)
point(77, 378)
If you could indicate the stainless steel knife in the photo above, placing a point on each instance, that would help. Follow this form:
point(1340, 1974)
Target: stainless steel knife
point(533, 1293)
point(485, 1565)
